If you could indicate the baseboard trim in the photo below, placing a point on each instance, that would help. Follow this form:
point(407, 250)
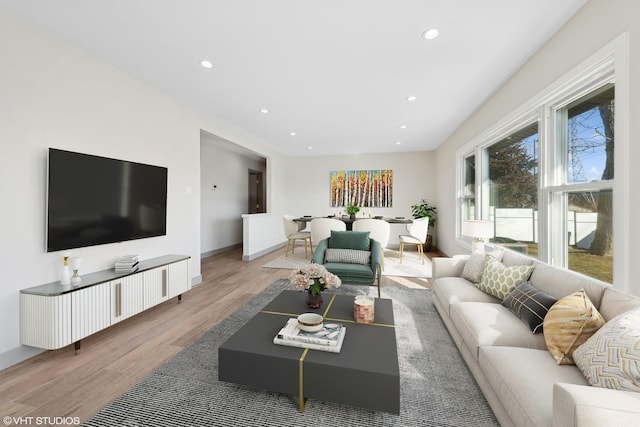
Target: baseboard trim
point(17, 355)
point(251, 257)
point(220, 250)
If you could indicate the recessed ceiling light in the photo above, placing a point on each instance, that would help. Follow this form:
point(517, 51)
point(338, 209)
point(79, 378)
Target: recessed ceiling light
point(309, 148)
point(411, 98)
point(264, 111)
point(292, 133)
point(206, 64)
point(398, 142)
point(403, 126)
point(431, 33)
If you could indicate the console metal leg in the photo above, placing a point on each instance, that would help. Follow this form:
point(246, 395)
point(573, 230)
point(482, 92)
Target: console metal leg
point(76, 346)
point(180, 298)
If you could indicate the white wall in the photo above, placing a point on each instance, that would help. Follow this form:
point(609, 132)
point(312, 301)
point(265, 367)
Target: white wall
point(594, 26)
point(222, 208)
point(414, 178)
point(56, 95)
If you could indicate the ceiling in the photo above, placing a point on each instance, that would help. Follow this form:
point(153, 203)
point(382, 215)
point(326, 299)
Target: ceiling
point(337, 73)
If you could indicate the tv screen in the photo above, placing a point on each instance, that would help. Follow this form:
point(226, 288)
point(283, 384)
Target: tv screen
point(94, 200)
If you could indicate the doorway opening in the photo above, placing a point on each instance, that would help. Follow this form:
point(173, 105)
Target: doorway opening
point(256, 192)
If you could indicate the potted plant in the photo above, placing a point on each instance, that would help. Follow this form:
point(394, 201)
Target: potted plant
point(352, 210)
point(423, 209)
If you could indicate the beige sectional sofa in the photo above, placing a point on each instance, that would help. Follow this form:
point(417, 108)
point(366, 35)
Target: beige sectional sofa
point(518, 376)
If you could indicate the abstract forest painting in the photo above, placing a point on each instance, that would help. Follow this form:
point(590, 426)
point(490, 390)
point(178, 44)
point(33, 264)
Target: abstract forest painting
point(364, 188)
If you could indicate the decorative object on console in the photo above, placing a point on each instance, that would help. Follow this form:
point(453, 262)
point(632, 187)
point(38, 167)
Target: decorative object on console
point(478, 230)
point(611, 357)
point(65, 278)
point(75, 266)
point(127, 264)
point(568, 324)
point(314, 279)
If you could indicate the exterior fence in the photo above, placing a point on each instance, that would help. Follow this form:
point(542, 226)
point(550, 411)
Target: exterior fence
point(522, 225)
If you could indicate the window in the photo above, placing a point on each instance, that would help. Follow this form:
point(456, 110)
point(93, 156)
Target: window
point(584, 188)
point(469, 191)
point(513, 189)
point(548, 175)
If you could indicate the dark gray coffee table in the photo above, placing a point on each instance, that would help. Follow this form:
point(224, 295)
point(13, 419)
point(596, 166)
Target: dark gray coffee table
point(364, 374)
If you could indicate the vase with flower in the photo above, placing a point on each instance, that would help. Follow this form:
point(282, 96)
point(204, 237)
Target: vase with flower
point(314, 279)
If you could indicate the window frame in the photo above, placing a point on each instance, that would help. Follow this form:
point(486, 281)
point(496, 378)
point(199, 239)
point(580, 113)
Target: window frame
point(608, 65)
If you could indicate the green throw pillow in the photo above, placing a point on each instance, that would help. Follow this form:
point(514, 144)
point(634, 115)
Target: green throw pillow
point(499, 280)
point(358, 240)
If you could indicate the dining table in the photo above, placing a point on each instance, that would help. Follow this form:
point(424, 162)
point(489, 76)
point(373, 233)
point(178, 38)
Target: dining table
point(349, 221)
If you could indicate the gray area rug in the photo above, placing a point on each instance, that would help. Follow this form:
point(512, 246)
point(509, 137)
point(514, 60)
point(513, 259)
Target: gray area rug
point(436, 387)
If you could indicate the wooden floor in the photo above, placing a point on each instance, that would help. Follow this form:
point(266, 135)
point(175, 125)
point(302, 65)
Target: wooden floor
point(61, 384)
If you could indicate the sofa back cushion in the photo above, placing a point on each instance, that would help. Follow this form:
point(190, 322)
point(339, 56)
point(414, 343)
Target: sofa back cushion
point(358, 240)
point(615, 303)
point(560, 282)
point(510, 258)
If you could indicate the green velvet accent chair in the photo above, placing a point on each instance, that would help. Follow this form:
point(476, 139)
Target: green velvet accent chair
point(351, 273)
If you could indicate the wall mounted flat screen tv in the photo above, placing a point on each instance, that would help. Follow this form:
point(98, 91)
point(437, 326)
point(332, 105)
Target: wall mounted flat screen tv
point(94, 200)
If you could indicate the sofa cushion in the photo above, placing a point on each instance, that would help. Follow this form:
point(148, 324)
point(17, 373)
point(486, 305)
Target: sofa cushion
point(560, 282)
point(568, 324)
point(529, 304)
point(474, 267)
point(498, 279)
point(351, 273)
point(523, 380)
point(349, 256)
point(611, 357)
point(451, 290)
point(486, 324)
point(359, 240)
point(615, 303)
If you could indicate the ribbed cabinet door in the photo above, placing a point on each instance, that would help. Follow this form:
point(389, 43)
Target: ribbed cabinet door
point(127, 297)
point(179, 277)
point(90, 310)
point(45, 322)
point(156, 286)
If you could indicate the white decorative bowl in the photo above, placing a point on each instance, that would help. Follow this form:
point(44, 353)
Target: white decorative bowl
point(310, 322)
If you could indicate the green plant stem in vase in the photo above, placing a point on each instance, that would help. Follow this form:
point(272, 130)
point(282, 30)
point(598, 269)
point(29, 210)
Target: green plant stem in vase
point(352, 210)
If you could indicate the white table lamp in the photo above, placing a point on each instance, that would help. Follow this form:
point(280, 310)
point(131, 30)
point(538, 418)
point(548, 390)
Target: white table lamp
point(478, 230)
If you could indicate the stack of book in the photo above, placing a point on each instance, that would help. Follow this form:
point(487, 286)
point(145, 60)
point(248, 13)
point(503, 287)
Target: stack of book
point(127, 264)
point(329, 338)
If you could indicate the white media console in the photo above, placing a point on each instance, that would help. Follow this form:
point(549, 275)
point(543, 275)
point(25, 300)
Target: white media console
point(53, 315)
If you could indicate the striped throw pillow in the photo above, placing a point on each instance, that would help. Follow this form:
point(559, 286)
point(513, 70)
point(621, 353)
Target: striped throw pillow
point(347, 256)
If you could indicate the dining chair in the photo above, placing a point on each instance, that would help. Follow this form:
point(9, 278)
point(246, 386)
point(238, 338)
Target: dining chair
point(321, 228)
point(379, 229)
point(417, 235)
point(293, 231)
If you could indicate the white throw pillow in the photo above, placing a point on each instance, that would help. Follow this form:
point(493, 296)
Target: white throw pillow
point(611, 357)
